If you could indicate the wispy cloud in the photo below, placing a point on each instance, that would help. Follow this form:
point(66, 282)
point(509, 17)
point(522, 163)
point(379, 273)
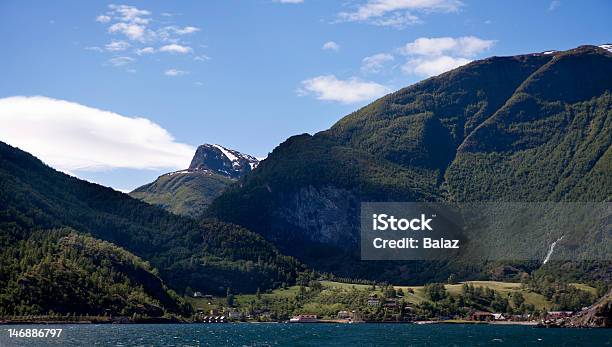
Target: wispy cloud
point(115, 46)
point(103, 18)
point(175, 48)
point(201, 57)
point(175, 72)
point(432, 66)
point(397, 13)
point(554, 5)
point(330, 46)
point(289, 1)
point(131, 31)
point(352, 90)
point(135, 32)
point(72, 137)
point(173, 29)
point(120, 61)
point(145, 50)
point(376, 62)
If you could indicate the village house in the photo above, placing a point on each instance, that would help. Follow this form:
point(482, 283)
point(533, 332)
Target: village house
point(482, 316)
point(498, 316)
point(391, 303)
point(345, 315)
point(373, 300)
point(233, 313)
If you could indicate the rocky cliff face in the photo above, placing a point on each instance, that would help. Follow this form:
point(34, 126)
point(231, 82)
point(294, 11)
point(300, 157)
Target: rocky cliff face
point(221, 160)
point(328, 214)
point(597, 316)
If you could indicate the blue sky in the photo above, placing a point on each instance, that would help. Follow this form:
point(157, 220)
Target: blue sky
point(244, 74)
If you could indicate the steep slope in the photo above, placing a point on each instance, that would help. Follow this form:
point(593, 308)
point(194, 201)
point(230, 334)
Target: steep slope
point(209, 256)
point(64, 272)
point(534, 127)
point(188, 192)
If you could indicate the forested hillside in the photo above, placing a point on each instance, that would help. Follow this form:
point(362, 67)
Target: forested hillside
point(527, 128)
point(63, 272)
point(209, 256)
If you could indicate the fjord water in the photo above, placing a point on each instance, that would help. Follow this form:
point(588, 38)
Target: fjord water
point(312, 335)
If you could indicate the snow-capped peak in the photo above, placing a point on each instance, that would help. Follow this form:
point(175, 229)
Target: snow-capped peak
point(222, 160)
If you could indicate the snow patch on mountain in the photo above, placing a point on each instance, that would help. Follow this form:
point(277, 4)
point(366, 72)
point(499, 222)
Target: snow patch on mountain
point(607, 47)
point(223, 160)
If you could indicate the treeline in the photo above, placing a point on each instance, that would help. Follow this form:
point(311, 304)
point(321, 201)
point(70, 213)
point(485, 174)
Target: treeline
point(564, 296)
point(61, 273)
point(472, 298)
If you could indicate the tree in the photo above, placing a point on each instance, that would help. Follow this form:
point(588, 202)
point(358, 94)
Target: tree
point(400, 292)
point(229, 297)
point(517, 299)
point(435, 291)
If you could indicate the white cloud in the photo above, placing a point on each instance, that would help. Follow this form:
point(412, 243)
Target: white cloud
point(397, 13)
point(376, 62)
point(131, 31)
point(181, 31)
point(94, 48)
point(116, 46)
point(120, 61)
point(466, 46)
point(289, 1)
point(330, 46)
point(432, 66)
point(103, 18)
point(139, 34)
point(130, 14)
point(202, 57)
point(175, 72)
point(352, 90)
point(554, 5)
point(175, 48)
point(432, 56)
point(71, 137)
point(145, 50)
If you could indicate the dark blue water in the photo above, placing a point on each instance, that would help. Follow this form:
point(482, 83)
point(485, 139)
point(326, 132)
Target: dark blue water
point(310, 335)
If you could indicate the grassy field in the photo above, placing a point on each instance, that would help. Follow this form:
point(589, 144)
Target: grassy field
point(418, 296)
point(413, 294)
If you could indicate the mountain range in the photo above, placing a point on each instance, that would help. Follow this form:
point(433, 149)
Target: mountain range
point(527, 128)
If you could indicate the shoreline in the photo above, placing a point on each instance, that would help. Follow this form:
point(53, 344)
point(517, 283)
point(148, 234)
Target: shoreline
point(323, 321)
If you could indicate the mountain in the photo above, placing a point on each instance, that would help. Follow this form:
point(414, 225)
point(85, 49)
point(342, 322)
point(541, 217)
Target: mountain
point(226, 162)
point(188, 192)
point(534, 127)
point(120, 236)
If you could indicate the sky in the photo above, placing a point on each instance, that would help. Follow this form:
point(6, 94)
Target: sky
point(120, 92)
